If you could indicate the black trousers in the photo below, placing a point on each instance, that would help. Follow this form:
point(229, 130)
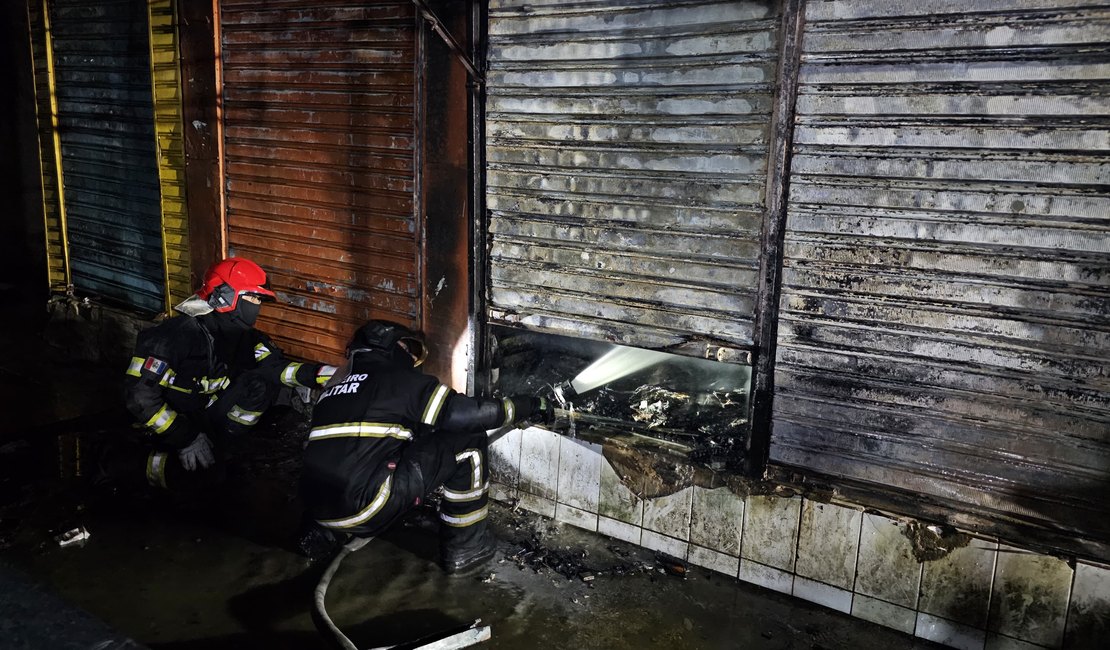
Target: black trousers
point(455, 461)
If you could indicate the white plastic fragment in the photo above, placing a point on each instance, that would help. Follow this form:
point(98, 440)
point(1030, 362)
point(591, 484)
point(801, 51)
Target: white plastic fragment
point(75, 537)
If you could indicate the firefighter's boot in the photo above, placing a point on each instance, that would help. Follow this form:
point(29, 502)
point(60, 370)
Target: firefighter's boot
point(466, 550)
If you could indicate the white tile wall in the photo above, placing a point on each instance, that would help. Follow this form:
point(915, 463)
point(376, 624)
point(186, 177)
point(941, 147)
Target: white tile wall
point(828, 543)
point(676, 548)
point(950, 633)
point(766, 576)
point(501, 492)
point(670, 515)
point(977, 597)
point(617, 501)
point(626, 532)
point(887, 569)
point(717, 520)
point(538, 505)
point(823, 594)
point(504, 459)
point(1000, 642)
point(771, 531)
point(539, 463)
point(1029, 600)
point(714, 560)
point(576, 517)
point(878, 611)
point(580, 475)
point(1089, 611)
point(958, 587)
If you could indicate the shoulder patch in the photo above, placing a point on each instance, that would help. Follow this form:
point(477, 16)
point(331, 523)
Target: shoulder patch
point(157, 366)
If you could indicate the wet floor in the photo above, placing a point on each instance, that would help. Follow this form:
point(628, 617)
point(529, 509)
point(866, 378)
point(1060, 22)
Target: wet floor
point(218, 575)
point(179, 574)
point(174, 579)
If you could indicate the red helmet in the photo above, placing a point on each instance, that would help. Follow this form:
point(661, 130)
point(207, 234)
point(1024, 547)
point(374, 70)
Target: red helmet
point(228, 279)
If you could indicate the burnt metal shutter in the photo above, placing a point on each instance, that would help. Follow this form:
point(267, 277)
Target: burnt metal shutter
point(105, 122)
point(626, 164)
point(319, 151)
point(944, 315)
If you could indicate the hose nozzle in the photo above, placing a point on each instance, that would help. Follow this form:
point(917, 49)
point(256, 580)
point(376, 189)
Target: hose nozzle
point(564, 393)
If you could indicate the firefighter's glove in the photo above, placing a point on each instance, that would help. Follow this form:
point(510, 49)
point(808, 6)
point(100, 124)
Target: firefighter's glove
point(198, 452)
point(544, 412)
point(533, 410)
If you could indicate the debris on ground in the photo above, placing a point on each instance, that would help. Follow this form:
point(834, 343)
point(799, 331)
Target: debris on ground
point(533, 554)
point(671, 565)
point(75, 537)
point(532, 551)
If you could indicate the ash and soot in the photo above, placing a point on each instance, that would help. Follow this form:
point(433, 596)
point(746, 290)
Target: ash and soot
point(533, 545)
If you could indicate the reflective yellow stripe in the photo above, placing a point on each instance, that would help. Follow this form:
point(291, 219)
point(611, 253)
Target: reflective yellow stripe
point(135, 369)
point(510, 411)
point(261, 352)
point(167, 379)
point(156, 469)
point(435, 404)
point(472, 495)
point(366, 513)
point(179, 389)
point(475, 459)
point(324, 374)
point(468, 519)
point(361, 430)
point(243, 416)
point(289, 375)
point(212, 385)
point(162, 420)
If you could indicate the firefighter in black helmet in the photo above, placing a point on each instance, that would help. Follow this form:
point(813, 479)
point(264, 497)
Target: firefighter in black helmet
point(205, 374)
point(384, 435)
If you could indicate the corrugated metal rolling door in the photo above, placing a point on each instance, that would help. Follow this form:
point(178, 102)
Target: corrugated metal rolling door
point(946, 288)
point(42, 55)
point(109, 168)
point(169, 128)
point(627, 146)
point(320, 165)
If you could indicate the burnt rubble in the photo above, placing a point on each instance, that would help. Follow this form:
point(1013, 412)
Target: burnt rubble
point(576, 563)
point(531, 551)
point(697, 404)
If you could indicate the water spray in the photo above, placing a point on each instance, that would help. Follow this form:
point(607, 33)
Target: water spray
point(613, 365)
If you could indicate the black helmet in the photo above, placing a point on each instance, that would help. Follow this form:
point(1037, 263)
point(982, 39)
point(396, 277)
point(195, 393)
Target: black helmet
point(390, 338)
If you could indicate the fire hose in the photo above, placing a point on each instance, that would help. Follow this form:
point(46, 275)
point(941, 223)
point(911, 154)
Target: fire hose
point(462, 637)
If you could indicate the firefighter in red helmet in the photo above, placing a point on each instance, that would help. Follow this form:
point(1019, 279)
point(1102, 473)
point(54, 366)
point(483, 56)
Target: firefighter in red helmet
point(385, 435)
point(208, 373)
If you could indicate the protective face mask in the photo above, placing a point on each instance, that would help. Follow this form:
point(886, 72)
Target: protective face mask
point(246, 312)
